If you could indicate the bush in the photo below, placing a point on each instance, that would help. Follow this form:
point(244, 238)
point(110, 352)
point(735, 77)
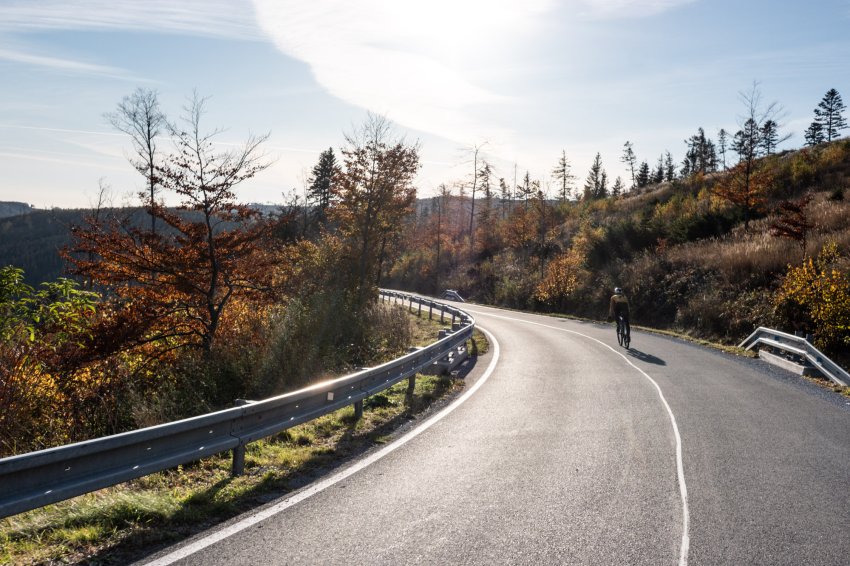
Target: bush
point(815, 297)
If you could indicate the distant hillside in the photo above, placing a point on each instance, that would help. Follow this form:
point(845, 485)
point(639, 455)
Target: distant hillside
point(32, 240)
point(8, 208)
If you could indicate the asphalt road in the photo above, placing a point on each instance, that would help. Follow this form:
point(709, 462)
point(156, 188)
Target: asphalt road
point(570, 450)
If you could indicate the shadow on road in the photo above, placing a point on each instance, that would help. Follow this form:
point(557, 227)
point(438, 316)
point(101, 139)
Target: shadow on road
point(644, 357)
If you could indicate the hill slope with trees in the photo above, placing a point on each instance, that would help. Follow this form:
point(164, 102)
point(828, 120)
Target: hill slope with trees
point(714, 254)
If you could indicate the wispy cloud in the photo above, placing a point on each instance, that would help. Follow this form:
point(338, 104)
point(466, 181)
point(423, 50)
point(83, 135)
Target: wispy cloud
point(415, 63)
point(61, 64)
point(227, 18)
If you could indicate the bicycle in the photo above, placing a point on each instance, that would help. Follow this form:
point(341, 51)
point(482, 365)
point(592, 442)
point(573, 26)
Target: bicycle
point(623, 335)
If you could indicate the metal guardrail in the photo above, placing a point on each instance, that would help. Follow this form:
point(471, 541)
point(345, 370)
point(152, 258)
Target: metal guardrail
point(32, 480)
point(799, 347)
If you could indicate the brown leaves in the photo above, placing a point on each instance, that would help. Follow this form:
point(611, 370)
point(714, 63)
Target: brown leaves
point(176, 282)
point(792, 222)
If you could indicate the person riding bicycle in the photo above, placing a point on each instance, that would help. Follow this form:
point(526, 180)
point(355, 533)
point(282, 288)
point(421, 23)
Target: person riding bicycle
point(619, 307)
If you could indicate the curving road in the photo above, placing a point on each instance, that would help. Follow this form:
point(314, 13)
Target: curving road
point(569, 450)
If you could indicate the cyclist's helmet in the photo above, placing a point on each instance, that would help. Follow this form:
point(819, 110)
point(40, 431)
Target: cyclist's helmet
point(618, 291)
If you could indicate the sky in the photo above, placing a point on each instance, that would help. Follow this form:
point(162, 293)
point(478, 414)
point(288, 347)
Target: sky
point(523, 80)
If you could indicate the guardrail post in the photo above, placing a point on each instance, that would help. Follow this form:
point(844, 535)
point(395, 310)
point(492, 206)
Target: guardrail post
point(358, 410)
point(430, 310)
point(237, 467)
point(442, 312)
point(419, 302)
point(453, 320)
point(411, 384)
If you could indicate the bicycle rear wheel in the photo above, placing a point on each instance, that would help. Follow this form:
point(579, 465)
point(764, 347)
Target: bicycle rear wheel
point(620, 337)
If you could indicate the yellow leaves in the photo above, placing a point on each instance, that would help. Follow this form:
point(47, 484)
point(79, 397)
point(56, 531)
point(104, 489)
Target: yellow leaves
point(822, 293)
point(562, 278)
point(568, 271)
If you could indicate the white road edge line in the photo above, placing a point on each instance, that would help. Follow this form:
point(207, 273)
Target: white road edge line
point(680, 468)
point(320, 486)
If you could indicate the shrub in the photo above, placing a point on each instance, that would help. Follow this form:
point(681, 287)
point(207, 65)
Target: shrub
point(815, 297)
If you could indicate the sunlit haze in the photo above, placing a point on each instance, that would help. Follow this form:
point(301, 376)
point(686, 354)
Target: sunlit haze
point(524, 78)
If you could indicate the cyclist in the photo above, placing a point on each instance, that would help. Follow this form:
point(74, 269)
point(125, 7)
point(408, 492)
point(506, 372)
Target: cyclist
point(619, 307)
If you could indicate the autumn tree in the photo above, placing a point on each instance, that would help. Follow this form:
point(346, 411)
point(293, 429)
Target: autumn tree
point(829, 114)
point(816, 296)
point(562, 175)
point(792, 221)
point(139, 116)
point(375, 193)
point(443, 234)
point(544, 245)
point(175, 284)
point(569, 270)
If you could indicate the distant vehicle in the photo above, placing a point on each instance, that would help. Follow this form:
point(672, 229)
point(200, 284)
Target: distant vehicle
point(452, 295)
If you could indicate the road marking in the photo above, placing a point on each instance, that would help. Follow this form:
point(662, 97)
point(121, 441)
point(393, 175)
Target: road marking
point(318, 487)
point(680, 468)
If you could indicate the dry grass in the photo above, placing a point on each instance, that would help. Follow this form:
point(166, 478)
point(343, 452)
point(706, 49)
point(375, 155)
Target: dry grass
point(742, 254)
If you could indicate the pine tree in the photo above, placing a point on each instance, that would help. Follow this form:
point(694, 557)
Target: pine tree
point(747, 141)
point(828, 114)
point(319, 191)
point(593, 181)
point(669, 168)
point(562, 174)
point(505, 194)
point(618, 188)
point(484, 175)
point(658, 174)
point(701, 156)
point(769, 137)
point(814, 134)
point(722, 145)
point(526, 190)
point(630, 159)
point(643, 174)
